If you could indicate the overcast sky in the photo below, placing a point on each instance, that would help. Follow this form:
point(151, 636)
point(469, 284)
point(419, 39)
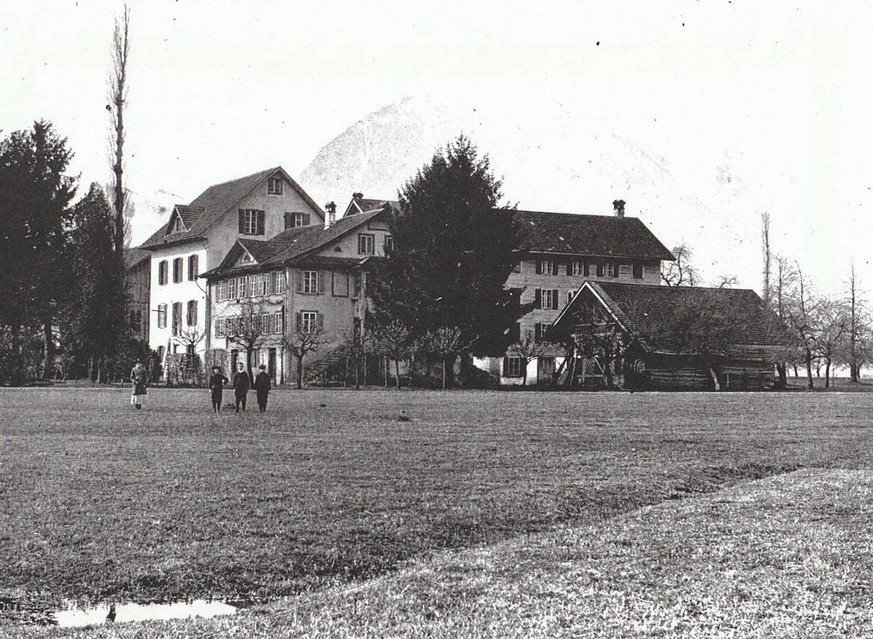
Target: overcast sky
point(748, 105)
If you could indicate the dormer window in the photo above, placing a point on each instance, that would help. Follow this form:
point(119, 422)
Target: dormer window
point(274, 186)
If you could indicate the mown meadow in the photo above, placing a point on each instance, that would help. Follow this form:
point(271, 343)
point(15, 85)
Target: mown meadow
point(327, 489)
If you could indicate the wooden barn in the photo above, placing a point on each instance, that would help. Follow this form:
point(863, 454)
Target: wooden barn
point(668, 338)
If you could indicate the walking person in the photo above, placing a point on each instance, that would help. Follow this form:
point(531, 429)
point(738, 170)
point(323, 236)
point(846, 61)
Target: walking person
point(216, 385)
point(240, 386)
point(262, 387)
point(138, 377)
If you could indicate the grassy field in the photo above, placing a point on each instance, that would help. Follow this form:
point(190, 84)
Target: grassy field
point(100, 503)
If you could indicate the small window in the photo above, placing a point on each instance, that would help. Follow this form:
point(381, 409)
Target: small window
point(277, 322)
point(307, 321)
point(546, 298)
point(177, 269)
point(162, 316)
point(366, 244)
point(230, 289)
point(162, 272)
point(278, 282)
point(251, 221)
point(613, 269)
point(578, 267)
point(601, 269)
point(274, 186)
point(241, 283)
point(192, 313)
point(570, 295)
point(638, 271)
point(219, 327)
point(513, 367)
point(192, 267)
point(389, 244)
point(310, 282)
point(546, 267)
point(177, 318)
point(295, 220)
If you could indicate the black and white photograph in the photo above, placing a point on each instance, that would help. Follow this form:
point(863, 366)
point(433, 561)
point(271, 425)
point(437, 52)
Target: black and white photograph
point(463, 319)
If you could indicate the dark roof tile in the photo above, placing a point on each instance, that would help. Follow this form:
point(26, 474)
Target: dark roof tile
point(594, 235)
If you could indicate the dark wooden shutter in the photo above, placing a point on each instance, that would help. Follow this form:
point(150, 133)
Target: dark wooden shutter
point(539, 267)
point(242, 221)
point(306, 219)
point(538, 332)
point(538, 298)
point(586, 271)
point(261, 226)
point(505, 366)
point(287, 220)
point(555, 298)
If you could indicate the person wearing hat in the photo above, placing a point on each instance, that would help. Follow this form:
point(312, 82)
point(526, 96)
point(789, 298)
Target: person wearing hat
point(262, 387)
point(240, 385)
point(138, 377)
point(216, 385)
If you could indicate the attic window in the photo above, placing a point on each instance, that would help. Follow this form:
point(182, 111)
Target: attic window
point(274, 186)
point(247, 259)
point(176, 225)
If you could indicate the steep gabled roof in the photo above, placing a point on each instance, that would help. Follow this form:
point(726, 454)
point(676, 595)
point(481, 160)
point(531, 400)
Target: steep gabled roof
point(594, 235)
point(293, 245)
point(215, 202)
point(364, 205)
point(318, 237)
point(638, 307)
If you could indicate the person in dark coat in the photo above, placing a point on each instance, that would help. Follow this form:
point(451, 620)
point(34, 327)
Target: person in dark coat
point(138, 378)
point(240, 386)
point(216, 385)
point(262, 388)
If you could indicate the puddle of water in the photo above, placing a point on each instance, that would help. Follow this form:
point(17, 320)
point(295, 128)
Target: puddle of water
point(135, 612)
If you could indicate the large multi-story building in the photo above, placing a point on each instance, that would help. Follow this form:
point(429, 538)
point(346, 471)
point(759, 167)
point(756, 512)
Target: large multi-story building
point(557, 254)
point(303, 282)
point(198, 236)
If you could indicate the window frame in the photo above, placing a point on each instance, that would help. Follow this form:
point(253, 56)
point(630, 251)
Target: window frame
point(163, 272)
point(368, 239)
point(638, 271)
point(274, 186)
point(193, 267)
point(510, 364)
point(178, 269)
point(308, 322)
point(309, 284)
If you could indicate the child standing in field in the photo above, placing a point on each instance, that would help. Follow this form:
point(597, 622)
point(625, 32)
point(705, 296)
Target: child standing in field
point(216, 385)
point(262, 388)
point(240, 386)
point(138, 378)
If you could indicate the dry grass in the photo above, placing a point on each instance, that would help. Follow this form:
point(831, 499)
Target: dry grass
point(782, 557)
point(100, 503)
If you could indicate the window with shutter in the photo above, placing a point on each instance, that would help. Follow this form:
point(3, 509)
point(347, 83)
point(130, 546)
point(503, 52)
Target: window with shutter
point(162, 272)
point(192, 267)
point(538, 298)
point(177, 269)
point(638, 271)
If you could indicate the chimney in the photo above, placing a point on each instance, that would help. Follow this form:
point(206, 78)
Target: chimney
point(330, 218)
point(618, 206)
point(358, 196)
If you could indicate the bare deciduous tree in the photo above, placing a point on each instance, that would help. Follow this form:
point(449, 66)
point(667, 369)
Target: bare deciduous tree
point(527, 349)
point(445, 342)
point(680, 272)
point(246, 330)
point(304, 339)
